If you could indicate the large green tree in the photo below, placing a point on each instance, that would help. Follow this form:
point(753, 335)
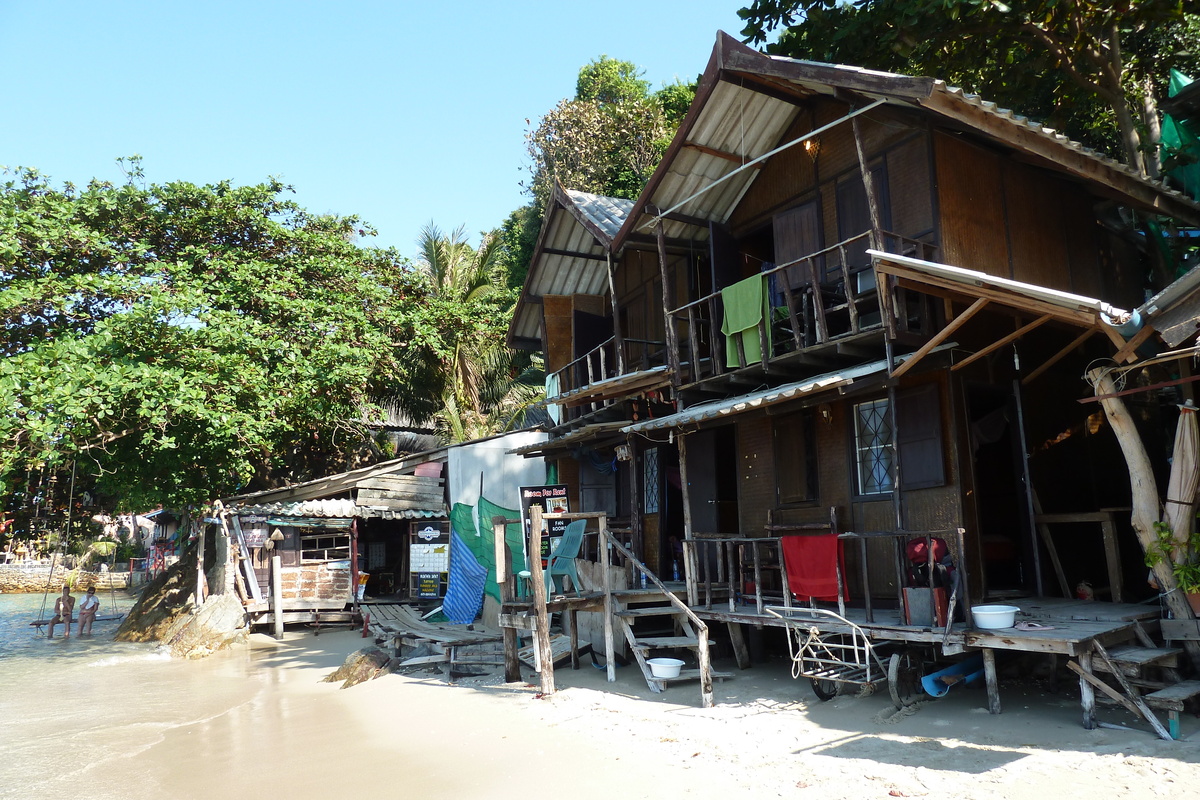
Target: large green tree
point(1094, 69)
point(608, 138)
point(179, 342)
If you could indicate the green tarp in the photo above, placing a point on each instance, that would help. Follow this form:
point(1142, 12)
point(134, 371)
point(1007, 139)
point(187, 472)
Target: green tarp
point(474, 525)
point(1181, 143)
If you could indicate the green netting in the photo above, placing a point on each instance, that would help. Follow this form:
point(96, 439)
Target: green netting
point(1181, 143)
point(481, 541)
point(512, 535)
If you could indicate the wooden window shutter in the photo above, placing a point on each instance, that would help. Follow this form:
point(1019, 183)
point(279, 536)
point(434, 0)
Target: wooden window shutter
point(919, 437)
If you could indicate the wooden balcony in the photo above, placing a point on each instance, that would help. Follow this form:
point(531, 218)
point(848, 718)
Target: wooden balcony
point(822, 299)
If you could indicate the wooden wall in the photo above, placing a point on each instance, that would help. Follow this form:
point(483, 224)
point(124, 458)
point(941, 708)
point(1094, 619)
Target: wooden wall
point(1011, 220)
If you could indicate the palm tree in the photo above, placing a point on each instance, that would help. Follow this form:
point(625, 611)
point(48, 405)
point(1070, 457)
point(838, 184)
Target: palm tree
point(486, 388)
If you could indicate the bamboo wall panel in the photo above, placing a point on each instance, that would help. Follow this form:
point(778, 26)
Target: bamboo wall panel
point(783, 177)
point(909, 186)
point(971, 202)
point(1035, 220)
point(559, 327)
point(1080, 234)
point(756, 473)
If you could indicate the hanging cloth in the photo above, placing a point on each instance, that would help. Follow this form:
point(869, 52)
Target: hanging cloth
point(745, 305)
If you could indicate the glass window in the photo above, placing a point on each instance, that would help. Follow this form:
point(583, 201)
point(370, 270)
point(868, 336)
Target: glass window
point(873, 445)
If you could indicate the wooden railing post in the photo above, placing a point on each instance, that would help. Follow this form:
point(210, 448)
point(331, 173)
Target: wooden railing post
point(542, 622)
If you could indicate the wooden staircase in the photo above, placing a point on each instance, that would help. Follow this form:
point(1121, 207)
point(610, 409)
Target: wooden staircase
point(681, 633)
point(1142, 690)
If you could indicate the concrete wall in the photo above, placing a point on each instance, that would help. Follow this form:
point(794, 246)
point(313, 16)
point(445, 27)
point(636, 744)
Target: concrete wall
point(29, 580)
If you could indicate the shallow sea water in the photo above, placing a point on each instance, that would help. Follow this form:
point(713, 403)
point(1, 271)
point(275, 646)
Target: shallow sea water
point(96, 718)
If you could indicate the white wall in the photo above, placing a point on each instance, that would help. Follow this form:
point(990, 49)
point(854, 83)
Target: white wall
point(502, 473)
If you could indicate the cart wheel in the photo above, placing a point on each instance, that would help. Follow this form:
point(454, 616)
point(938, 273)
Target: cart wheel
point(904, 679)
point(824, 688)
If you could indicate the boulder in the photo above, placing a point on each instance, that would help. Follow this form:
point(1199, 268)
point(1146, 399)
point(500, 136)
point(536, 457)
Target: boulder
point(361, 665)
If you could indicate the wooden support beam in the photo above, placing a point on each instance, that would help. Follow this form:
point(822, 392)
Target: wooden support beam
point(712, 151)
point(941, 336)
point(996, 345)
point(277, 595)
point(1104, 687)
point(1128, 352)
point(993, 683)
point(1059, 356)
point(573, 254)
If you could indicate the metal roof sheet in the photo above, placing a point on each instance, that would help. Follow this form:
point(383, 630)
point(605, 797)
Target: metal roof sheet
point(570, 257)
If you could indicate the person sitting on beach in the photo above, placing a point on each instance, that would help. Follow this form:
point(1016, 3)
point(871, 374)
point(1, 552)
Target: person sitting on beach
point(63, 607)
point(87, 611)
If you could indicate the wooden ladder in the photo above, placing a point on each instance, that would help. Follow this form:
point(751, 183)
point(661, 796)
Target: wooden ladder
point(643, 646)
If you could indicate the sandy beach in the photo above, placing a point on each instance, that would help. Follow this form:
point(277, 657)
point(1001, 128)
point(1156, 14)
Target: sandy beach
point(259, 721)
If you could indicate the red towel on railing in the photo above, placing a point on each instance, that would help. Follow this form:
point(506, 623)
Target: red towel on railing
point(811, 563)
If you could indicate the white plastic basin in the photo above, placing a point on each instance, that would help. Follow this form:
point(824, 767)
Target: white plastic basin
point(993, 617)
point(665, 667)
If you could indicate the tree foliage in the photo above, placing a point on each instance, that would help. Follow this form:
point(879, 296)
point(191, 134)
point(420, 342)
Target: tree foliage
point(1091, 68)
point(181, 342)
point(607, 139)
point(482, 387)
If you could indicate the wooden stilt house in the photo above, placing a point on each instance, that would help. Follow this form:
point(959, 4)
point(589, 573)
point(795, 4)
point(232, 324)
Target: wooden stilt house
point(862, 303)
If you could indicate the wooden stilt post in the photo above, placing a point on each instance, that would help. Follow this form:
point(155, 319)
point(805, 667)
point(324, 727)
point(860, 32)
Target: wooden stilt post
point(504, 577)
point(689, 553)
point(542, 628)
point(277, 595)
point(200, 581)
point(993, 684)
point(610, 645)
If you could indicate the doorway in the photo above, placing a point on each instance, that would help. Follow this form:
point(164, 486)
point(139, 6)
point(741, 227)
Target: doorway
point(1000, 502)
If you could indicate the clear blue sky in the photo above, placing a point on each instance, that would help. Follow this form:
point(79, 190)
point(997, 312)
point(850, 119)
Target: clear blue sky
point(398, 112)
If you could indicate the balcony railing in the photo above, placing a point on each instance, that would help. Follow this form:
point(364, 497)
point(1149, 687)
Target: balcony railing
point(816, 299)
point(610, 359)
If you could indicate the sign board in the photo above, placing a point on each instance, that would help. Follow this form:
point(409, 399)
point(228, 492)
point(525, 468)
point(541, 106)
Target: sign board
point(553, 500)
point(255, 533)
point(428, 584)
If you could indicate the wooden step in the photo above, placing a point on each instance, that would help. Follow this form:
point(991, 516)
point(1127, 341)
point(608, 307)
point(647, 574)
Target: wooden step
point(1132, 658)
point(693, 675)
point(668, 641)
point(649, 611)
point(1173, 697)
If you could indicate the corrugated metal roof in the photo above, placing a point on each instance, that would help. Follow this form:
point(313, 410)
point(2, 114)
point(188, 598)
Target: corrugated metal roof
point(337, 509)
point(1175, 311)
point(766, 397)
point(577, 232)
point(731, 116)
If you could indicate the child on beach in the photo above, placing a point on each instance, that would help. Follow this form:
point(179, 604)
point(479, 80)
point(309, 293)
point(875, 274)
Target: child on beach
point(63, 606)
point(87, 611)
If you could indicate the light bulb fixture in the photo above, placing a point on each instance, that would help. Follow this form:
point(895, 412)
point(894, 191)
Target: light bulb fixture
point(812, 147)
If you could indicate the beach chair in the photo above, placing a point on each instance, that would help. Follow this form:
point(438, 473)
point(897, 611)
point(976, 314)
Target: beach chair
point(562, 560)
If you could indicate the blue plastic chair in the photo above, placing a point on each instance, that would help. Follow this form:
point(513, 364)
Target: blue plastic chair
point(562, 560)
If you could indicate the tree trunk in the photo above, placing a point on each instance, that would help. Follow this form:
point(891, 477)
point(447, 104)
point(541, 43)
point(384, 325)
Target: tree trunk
point(1144, 490)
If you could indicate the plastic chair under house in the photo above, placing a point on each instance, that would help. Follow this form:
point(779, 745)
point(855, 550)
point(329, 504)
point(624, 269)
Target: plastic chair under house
point(562, 560)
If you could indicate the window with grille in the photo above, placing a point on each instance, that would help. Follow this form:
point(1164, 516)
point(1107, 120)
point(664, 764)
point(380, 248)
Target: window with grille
point(873, 446)
point(650, 480)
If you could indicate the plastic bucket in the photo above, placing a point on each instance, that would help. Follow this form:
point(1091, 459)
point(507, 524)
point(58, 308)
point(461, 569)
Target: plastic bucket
point(665, 667)
point(994, 617)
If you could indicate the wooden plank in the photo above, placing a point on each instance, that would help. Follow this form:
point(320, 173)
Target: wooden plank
point(1096, 683)
point(402, 505)
point(1128, 351)
point(545, 665)
point(413, 483)
point(1048, 540)
point(923, 282)
point(1181, 630)
point(1112, 557)
point(996, 345)
point(367, 495)
point(1059, 356)
point(1173, 697)
point(941, 336)
point(1149, 716)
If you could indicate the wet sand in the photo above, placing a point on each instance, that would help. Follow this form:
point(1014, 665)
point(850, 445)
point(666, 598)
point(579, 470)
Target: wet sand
point(258, 722)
